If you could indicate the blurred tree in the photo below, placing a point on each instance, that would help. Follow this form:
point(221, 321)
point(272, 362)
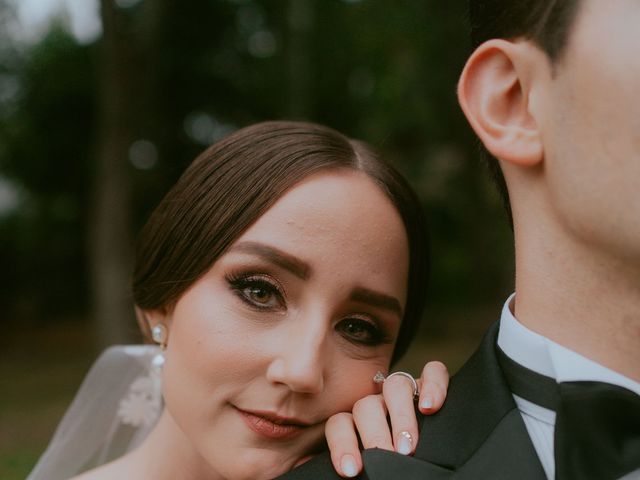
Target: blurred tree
point(110, 225)
point(46, 123)
point(300, 23)
point(97, 134)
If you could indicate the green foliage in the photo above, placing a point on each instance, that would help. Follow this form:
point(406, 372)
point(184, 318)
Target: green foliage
point(384, 71)
point(45, 138)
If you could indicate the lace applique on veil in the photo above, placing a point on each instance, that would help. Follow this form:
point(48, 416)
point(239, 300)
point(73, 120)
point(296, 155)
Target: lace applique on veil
point(141, 406)
point(116, 407)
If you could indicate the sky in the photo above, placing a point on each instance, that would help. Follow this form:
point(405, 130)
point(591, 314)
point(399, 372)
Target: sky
point(33, 16)
point(82, 16)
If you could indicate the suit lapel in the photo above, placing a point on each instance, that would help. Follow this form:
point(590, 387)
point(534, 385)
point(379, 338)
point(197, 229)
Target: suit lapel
point(506, 454)
point(480, 429)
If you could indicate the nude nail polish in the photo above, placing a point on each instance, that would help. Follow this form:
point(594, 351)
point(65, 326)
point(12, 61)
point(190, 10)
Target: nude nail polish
point(348, 466)
point(426, 403)
point(405, 443)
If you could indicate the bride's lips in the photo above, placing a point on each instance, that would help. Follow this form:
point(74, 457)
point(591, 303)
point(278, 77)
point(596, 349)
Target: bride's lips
point(271, 425)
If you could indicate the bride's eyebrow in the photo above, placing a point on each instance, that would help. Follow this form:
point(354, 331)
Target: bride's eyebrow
point(376, 299)
point(273, 255)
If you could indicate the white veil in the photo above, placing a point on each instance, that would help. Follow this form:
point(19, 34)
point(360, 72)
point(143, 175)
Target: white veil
point(117, 405)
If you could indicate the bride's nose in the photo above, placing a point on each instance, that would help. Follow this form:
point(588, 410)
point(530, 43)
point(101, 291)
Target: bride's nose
point(300, 362)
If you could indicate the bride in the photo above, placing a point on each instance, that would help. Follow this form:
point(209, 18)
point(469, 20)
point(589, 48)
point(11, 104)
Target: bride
point(285, 270)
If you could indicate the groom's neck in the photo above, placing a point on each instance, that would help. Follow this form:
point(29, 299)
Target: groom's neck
point(581, 298)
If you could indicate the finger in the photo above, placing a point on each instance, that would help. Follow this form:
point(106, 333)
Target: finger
point(343, 445)
point(370, 417)
point(434, 383)
point(398, 396)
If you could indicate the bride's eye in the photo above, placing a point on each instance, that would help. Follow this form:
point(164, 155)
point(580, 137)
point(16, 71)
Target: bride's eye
point(259, 294)
point(358, 330)
point(258, 291)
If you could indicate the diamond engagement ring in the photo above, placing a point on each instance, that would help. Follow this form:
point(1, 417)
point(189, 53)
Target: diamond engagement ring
point(380, 378)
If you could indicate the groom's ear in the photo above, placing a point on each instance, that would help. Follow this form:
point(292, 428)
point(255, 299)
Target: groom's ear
point(495, 93)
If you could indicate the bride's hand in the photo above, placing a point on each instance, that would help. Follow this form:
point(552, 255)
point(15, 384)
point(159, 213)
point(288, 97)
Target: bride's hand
point(369, 423)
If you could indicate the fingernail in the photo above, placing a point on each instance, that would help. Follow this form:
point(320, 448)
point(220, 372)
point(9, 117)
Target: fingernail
point(348, 465)
point(427, 402)
point(405, 443)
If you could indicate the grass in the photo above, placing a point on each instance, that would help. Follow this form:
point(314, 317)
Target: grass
point(41, 369)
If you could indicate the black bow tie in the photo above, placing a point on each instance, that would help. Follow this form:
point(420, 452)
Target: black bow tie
point(597, 432)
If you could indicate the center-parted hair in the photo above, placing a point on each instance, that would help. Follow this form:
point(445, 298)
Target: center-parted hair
point(547, 23)
point(234, 182)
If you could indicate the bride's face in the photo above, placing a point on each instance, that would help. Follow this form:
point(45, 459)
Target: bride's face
point(288, 327)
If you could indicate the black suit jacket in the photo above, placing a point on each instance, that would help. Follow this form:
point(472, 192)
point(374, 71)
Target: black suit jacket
point(478, 434)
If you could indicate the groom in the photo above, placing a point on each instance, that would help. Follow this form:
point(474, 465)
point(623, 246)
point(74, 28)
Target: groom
point(553, 92)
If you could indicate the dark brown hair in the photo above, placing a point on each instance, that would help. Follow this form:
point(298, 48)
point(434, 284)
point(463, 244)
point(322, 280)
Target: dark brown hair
point(547, 23)
point(232, 183)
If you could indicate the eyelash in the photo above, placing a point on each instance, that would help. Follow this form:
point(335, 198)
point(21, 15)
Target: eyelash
point(376, 334)
point(240, 282)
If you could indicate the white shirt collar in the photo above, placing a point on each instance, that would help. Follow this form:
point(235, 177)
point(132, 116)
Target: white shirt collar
point(549, 358)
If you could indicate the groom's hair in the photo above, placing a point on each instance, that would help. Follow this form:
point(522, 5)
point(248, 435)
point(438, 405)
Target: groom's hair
point(547, 23)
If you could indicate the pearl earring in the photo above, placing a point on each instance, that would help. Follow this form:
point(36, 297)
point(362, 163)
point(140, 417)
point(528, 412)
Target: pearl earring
point(159, 335)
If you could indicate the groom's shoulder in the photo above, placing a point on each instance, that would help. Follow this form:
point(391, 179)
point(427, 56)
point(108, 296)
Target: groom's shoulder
point(477, 399)
point(479, 379)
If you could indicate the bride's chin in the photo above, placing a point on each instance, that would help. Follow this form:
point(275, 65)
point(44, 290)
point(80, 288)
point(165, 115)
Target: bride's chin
point(302, 460)
point(261, 466)
point(257, 472)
